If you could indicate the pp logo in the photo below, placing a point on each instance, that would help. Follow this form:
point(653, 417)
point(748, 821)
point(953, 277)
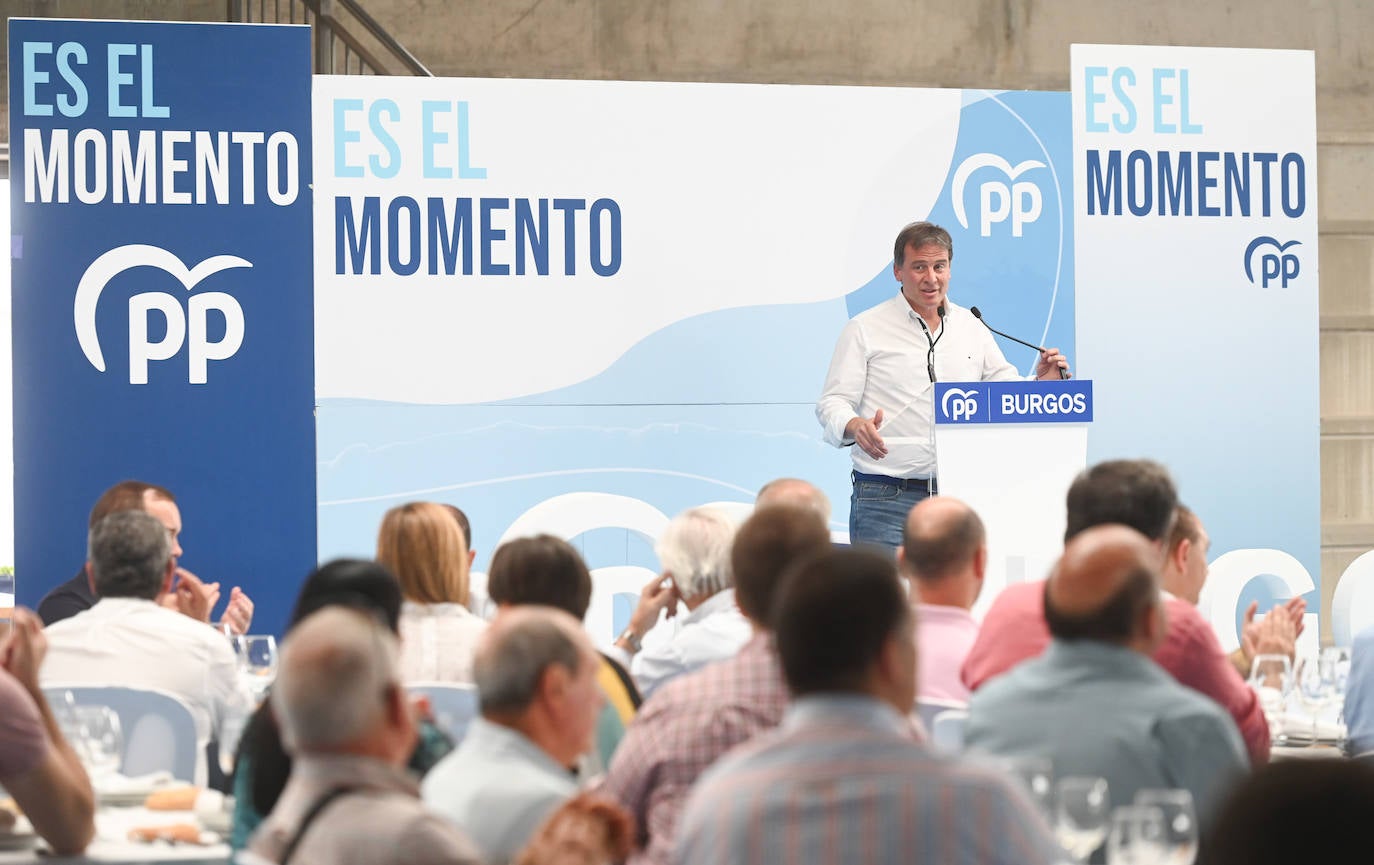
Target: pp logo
point(1017, 200)
point(189, 327)
point(959, 404)
point(1280, 265)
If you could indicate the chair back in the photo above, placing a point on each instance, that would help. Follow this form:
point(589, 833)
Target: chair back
point(928, 708)
point(454, 705)
point(159, 730)
point(947, 730)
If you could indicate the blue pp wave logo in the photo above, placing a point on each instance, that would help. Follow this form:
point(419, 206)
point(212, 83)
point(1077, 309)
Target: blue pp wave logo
point(189, 327)
point(1278, 265)
point(957, 404)
point(999, 200)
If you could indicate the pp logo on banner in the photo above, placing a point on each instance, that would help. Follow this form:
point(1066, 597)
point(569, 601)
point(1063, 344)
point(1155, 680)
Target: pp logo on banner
point(187, 327)
point(959, 404)
point(1017, 200)
point(1280, 265)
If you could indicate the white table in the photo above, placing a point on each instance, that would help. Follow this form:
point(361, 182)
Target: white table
point(111, 843)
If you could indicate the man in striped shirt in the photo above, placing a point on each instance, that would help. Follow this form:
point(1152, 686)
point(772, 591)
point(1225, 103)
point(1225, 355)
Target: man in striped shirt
point(694, 719)
point(841, 780)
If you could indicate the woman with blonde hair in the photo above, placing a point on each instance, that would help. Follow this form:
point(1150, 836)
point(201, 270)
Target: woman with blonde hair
point(423, 545)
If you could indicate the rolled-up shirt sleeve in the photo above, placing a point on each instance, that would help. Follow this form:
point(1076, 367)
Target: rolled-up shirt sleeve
point(845, 381)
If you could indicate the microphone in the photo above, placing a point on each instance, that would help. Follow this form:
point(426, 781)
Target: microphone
point(978, 315)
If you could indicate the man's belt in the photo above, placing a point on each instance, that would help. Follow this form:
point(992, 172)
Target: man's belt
point(930, 485)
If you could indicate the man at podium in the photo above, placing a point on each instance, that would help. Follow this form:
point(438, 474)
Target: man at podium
point(878, 392)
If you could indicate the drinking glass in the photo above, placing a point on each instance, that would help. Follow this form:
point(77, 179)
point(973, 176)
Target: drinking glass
point(103, 738)
point(1271, 676)
point(1316, 689)
point(1136, 836)
point(1081, 815)
point(1180, 823)
point(257, 654)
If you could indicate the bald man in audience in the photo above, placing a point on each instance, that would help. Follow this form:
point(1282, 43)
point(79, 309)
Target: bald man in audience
point(944, 555)
point(535, 670)
point(346, 720)
point(1139, 494)
point(1094, 703)
point(696, 718)
point(796, 492)
point(842, 780)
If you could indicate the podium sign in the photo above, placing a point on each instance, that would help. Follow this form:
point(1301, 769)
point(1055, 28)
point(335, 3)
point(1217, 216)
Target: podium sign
point(1010, 450)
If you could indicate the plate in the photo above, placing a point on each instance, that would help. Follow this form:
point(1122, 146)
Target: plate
point(18, 840)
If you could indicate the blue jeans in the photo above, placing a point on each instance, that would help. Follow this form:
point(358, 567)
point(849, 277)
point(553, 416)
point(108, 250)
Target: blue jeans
point(877, 512)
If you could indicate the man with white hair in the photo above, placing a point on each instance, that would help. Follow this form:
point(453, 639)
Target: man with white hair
point(347, 721)
point(695, 554)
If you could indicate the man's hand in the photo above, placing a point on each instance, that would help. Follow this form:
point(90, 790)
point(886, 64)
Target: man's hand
point(659, 594)
point(1050, 363)
point(1276, 633)
point(22, 652)
point(588, 829)
point(193, 598)
point(238, 614)
point(864, 432)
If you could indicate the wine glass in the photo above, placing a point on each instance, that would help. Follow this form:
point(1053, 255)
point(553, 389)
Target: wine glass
point(1316, 689)
point(1180, 822)
point(1271, 676)
point(257, 655)
point(103, 738)
point(1338, 660)
point(1136, 836)
point(1081, 815)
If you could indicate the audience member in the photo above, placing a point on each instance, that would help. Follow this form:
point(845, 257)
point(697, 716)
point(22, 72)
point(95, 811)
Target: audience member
point(536, 677)
point(795, 492)
point(842, 780)
point(1185, 573)
point(128, 639)
point(347, 721)
point(695, 555)
point(38, 768)
point(478, 599)
point(547, 571)
point(422, 544)
point(944, 554)
point(1359, 695)
point(1094, 702)
point(696, 718)
point(190, 594)
point(263, 766)
point(1294, 811)
point(1139, 494)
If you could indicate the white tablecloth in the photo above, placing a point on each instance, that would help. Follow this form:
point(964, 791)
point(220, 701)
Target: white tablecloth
point(111, 843)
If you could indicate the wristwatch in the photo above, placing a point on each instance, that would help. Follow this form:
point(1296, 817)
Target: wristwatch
point(628, 635)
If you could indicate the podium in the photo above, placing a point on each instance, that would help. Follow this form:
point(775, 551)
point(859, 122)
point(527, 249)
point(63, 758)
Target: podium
point(1010, 450)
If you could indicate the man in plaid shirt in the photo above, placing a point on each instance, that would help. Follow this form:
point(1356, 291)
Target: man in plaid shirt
point(689, 723)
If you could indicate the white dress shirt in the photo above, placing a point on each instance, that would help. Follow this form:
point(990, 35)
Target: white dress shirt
point(134, 643)
point(880, 363)
point(714, 631)
point(438, 642)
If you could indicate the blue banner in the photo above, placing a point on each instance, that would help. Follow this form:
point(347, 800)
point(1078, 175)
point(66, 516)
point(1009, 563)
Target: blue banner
point(162, 292)
point(984, 402)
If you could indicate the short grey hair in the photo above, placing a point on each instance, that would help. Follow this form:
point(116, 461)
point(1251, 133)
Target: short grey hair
point(796, 493)
point(695, 550)
point(511, 660)
point(337, 667)
point(128, 552)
